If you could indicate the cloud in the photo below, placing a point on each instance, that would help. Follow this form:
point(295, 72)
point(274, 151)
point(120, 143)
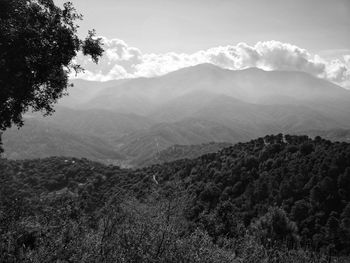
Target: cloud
point(122, 61)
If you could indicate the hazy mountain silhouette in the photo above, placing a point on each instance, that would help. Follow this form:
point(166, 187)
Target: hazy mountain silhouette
point(83, 91)
point(142, 144)
point(97, 122)
point(149, 96)
point(37, 139)
point(201, 104)
point(251, 85)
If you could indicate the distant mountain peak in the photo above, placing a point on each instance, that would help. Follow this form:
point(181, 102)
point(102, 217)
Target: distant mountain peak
point(204, 67)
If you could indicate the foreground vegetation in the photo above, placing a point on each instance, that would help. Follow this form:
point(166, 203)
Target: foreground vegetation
point(278, 198)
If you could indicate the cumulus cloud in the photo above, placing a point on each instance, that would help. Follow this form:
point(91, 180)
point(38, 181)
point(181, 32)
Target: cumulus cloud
point(122, 61)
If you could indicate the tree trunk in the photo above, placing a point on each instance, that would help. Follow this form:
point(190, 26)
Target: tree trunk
point(1, 149)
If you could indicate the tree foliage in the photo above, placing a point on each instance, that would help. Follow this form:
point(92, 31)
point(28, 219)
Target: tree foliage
point(244, 203)
point(38, 42)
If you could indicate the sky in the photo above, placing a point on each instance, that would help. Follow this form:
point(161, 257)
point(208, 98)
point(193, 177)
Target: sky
point(185, 27)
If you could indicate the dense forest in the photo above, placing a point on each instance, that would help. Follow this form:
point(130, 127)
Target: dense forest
point(271, 199)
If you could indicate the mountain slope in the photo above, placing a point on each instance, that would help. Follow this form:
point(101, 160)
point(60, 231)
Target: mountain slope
point(83, 90)
point(36, 139)
point(142, 144)
point(177, 152)
point(251, 85)
point(101, 123)
point(200, 104)
point(218, 118)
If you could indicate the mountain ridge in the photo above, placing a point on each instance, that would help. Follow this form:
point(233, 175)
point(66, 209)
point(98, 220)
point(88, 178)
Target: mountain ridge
point(200, 104)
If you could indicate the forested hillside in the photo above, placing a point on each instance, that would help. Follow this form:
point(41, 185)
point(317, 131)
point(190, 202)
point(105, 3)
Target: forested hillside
point(177, 152)
point(283, 198)
point(309, 180)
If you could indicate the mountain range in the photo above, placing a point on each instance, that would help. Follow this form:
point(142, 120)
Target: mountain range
point(133, 119)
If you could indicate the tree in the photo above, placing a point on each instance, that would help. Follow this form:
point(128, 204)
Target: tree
point(275, 226)
point(306, 148)
point(344, 184)
point(38, 42)
point(300, 211)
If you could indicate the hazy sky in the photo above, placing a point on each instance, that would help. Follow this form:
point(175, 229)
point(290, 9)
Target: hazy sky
point(190, 25)
point(154, 37)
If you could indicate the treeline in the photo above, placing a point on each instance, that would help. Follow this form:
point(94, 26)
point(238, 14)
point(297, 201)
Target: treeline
point(275, 198)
